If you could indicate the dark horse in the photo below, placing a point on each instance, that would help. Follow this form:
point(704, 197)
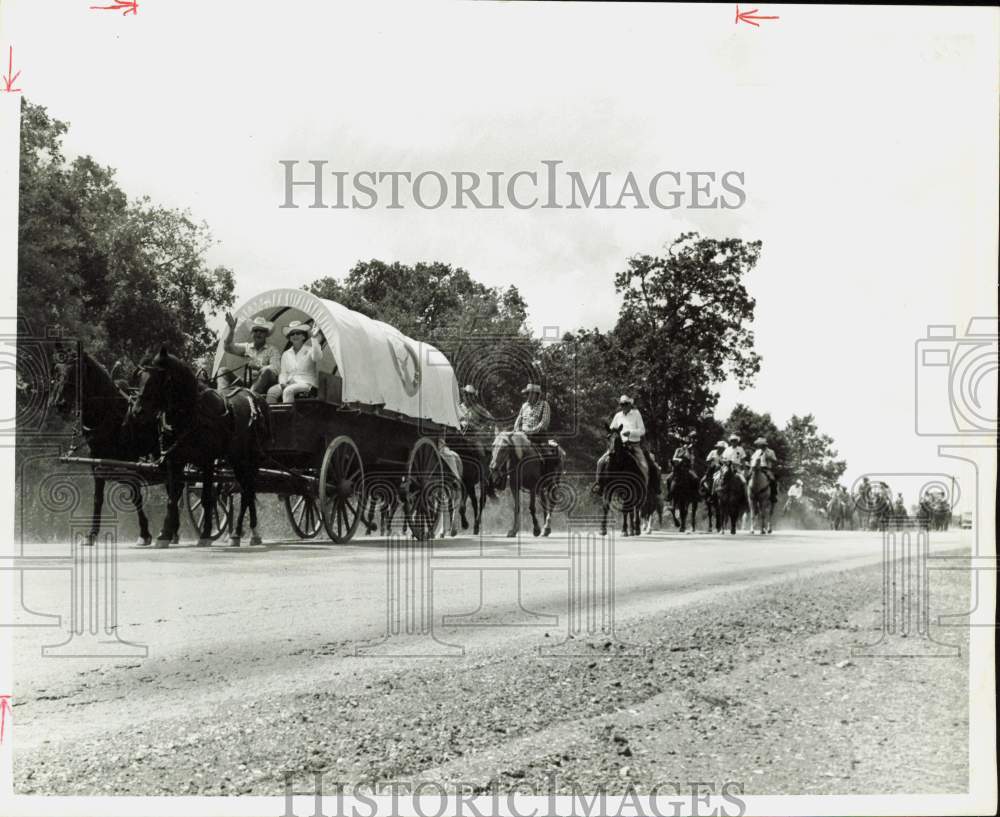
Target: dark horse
point(475, 482)
point(80, 381)
point(200, 427)
point(706, 488)
point(537, 475)
point(683, 494)
point(732, 497)
point(623, 480)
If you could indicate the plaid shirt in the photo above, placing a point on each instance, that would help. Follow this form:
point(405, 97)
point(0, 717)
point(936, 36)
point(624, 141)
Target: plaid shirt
point(259, 358)
point(532, 419)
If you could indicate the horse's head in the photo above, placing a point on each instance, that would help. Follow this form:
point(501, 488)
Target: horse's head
point(500, 459)
point(163, 382)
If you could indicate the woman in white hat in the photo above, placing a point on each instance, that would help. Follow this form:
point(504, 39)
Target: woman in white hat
point(263, 359)
point(299, 372)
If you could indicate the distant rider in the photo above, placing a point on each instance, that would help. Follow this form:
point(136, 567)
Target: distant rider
point(632, 430)
point(765, 459)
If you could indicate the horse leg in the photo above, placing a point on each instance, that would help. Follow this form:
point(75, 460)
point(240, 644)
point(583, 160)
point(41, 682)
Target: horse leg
point(466, 490)
point(95, 520)
point(451, 510)
point(478, 503)
point(208, 504)
point(515, 493)
point(171, 521)
point(536, 529)
point(144, 536)
point(605, 502)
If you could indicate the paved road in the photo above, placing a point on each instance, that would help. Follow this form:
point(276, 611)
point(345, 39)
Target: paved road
point(221, 625)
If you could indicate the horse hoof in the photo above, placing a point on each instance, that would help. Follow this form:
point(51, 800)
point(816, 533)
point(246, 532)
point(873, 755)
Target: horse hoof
point(511, 533)
point(604, 532)
point(536, 531)
point(162, 543)
point(234, 541)
point(175, 540)
point(546, 530)
point(143, 542)
point(454, 531)
point(256, 540)
point(204, 543)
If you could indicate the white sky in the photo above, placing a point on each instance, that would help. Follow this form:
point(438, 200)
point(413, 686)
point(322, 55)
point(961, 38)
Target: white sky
point(868, 137)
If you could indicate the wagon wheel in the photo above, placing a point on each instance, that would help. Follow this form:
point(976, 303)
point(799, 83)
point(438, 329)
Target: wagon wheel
point(303, 515)
point(425, 488)
point(221, 514)
point(341, 489)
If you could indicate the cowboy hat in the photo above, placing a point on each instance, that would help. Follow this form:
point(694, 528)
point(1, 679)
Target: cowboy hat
point(692, 434)
point(624, 399)
point(720, 444)
point(261, 323)
point(531, 387)
point(760, 441)
point(734, 437)
point(470, 389)
point(297, 326)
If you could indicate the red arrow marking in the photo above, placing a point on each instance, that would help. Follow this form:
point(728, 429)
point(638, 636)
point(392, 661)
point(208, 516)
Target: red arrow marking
point(10, 77)
point(4, 709)
point(129, 6)
point(750, 16)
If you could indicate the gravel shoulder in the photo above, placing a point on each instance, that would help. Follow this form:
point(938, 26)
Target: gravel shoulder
point(759, 687)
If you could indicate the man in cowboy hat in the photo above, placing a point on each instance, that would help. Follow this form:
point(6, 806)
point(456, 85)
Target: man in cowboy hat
point(632, 430)
point(713, 461)
point(532, 419)
point(764, 458)
point(299, 373)
point(472, 417)
point(264, 360)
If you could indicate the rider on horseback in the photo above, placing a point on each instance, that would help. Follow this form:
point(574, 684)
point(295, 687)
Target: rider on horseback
point(474, 420)
point(628, 422)
point(765, 459)
point(734, 457)
point(532, 420)
point(714, 460)
point(683, 459)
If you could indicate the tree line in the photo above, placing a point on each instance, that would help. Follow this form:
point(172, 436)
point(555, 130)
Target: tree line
point(125, 275)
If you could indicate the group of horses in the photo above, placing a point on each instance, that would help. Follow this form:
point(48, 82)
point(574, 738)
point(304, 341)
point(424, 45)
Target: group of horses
point(171, 417)
point(872, 508)
point(726, 494)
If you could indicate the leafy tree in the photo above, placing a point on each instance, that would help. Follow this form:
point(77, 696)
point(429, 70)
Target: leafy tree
point(119, 276)
point(682, 328)
point(812, 457)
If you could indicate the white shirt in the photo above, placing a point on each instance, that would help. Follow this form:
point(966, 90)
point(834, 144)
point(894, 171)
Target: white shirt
point(795, 492)
point(734, 453)
point(764, 457)
point(301, 367)
point(631, 423)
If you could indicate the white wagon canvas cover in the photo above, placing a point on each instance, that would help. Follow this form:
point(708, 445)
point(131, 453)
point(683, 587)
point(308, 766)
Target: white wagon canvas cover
point(379, 365)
